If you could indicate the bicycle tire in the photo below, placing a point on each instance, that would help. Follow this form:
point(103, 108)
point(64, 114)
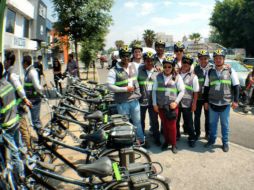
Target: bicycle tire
point(139, 153)
point(156, 183)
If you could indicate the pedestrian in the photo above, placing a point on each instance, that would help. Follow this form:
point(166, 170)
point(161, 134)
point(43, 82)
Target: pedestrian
point(178, 51)
point(249, 87)
point(160, 54)
point(33, 91)
point(9, 122)
point(146, 75)
point(72, 67)
point(22, 101)
point(114, 61)
point(57, 71)
point(201, 70)
point(122, 80)
point(188, 103)
point(221, 90)
point(39, 67)
point(137, 55)
point(168, 90)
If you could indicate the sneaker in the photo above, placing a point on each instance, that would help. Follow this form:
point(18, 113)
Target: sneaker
point(209, 144)
point(145, 145)
point(164, 146)
point(174, 150)
point(225, 147)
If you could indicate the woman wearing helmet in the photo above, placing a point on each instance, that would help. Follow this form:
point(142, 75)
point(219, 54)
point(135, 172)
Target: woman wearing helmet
point(168, 90)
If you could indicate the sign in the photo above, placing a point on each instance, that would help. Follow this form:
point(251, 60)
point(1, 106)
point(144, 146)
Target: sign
point(21, 42)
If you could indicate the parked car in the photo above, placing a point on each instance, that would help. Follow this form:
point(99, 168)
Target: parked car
point(249, 62)
point(241, 70)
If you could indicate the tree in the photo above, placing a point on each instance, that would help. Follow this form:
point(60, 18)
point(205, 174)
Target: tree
point(149, 37)
point(119, 44)
point(233, 23)
point(195, 36)
point(134, 42)
point(82, 19)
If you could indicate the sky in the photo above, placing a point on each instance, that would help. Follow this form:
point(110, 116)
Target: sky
point(174, 17)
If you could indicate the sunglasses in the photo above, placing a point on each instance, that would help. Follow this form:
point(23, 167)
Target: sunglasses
point(167, 67)
point(179, 50)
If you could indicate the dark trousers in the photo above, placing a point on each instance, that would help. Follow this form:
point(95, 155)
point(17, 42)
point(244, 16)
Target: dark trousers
point(153, 117)
point(197, 117)
point(57, 77)
point(188, 122)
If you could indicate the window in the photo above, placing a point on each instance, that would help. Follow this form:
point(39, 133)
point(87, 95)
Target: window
point(42, 11)
point(10, 21)
point(26, 28)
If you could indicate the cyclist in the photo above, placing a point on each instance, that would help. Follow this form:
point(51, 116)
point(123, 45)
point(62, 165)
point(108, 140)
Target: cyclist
point(160, 54)
point(137, 55)
point(178, 51)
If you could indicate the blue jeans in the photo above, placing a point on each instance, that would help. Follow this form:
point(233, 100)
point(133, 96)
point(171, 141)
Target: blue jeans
point(13, 135)
point(132, 110)
point(35, 115)
point(224, 121)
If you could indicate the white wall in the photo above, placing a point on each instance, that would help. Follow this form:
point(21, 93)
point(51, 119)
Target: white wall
point(19, 25)
point(23, 6)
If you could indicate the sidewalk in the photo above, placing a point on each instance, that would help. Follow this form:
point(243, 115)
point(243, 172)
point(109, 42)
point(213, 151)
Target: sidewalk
point(191, 168)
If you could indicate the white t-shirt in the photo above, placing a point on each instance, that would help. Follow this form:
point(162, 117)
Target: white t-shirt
point(195, 82)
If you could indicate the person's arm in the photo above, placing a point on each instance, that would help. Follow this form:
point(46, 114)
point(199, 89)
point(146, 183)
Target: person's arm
point(206, 91)
point(236, 88)
point(14, 78)
point(36, 82)
point(195, 93)
point(154, 92)
point(181, 89)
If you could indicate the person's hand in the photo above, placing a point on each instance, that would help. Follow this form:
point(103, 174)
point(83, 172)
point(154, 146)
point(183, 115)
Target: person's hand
point(130, 88)
point(28, 103)
point(173, 105)
point(193, 107)
point(206, 106)
point(156, 109)
point(234, 105)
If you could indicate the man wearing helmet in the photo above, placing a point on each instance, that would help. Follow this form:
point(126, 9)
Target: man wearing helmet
point(137, 55)
point(188, 103)
point(146, 75)
point(178, 51)
point(201, 70)
point(122, 80)
point(221, 90)
point(159, 57)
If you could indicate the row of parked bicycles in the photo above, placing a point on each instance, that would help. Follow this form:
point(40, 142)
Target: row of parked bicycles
point(111, 157)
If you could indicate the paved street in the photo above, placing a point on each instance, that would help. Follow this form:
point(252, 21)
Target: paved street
point(190, 169)
point(242, 125)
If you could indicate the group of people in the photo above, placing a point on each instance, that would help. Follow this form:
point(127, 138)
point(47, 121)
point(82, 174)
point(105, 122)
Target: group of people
point(17, 99)
point(170, 87)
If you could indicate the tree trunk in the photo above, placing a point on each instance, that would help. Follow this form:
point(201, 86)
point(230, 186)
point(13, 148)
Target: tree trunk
point(76, 55)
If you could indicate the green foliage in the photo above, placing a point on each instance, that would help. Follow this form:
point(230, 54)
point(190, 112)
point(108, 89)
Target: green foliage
point(233, 23)
point(149, 37)
point(135, 42)
point(195, 36)
point(119, 44)
point(83, 19)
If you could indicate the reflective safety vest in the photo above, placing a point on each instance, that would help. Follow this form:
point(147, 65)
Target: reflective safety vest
point(145, 83)
point(220, 87)
point(123, 79)
point(166, 93)
point(8, 105)
point(201, 78)
point(31, 93)
point(188, 93)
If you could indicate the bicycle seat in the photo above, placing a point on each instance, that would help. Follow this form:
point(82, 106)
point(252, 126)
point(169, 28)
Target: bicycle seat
point(100, 168)
point(96, 137)
point(92, 82)
point(97, 115)
point(94, 100)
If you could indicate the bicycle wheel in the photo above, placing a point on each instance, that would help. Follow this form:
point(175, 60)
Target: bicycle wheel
point(11, 181)
point(140, 155)
point(155, 183)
